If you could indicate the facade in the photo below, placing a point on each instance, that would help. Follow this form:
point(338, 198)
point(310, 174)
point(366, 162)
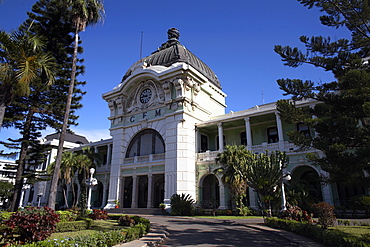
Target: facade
point(168, 124)
point(7, 174)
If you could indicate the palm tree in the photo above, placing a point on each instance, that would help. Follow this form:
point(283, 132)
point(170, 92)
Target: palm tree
point(84, 13)
point(234, 162)
point(68, 169)
point(22, 61)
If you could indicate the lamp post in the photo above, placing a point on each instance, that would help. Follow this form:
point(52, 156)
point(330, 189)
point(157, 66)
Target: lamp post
point(286, 177)
point(90, 182)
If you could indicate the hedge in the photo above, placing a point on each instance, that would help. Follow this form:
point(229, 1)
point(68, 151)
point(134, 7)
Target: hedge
point(330, 237)
point(69, 226)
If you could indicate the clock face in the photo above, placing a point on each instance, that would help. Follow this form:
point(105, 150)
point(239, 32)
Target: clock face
point(145, 95)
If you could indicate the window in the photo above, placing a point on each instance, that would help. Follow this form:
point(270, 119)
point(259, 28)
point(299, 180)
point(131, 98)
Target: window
point(243, 138)
point(144, 143)
point(203, 143)
point(304, 129)
point(272, 135)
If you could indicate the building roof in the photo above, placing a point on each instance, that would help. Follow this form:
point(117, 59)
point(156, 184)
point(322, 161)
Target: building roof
point(173, 52)
point(69, 138)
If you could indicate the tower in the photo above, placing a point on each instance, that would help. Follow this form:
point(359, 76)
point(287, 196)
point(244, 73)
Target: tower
point(153, 112)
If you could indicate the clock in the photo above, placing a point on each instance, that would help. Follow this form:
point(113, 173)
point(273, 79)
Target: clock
point(145, 95)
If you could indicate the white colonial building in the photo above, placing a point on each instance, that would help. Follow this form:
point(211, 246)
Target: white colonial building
point(168, 124)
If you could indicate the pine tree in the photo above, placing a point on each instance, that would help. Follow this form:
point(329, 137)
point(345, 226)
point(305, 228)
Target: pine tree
point(340, 115)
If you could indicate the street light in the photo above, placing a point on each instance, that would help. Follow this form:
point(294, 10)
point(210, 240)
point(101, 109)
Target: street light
point(90, 182)
point(286, 177)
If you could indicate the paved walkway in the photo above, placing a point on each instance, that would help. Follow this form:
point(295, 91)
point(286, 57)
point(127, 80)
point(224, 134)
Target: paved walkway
point(189, 231)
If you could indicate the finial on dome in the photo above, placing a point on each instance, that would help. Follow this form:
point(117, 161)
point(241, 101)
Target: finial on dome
point(173, 34)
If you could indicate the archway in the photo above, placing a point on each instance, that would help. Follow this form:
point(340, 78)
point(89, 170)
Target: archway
point(145, 142)
point(210, 192)
point(306, 182)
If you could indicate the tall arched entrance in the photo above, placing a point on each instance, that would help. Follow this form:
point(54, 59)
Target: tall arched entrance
point(210, 192)
point(306, 181)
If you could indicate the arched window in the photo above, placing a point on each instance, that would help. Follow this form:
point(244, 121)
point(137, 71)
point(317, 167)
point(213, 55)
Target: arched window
point(144, 143)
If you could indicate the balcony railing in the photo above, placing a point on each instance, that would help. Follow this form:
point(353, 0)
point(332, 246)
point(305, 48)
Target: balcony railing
point(285, 146)
point(144, 159)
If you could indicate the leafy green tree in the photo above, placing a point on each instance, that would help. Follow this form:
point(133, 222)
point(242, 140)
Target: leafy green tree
point(340, 117)
point(32, 154)
point(6, 191)
point(68, 169)
point(84, 12)
point(234, 162)
point(22, 61)
point(264, 173)
point(26, 72)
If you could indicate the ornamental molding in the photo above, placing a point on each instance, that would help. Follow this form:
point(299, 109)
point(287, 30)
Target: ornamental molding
point(157, 96)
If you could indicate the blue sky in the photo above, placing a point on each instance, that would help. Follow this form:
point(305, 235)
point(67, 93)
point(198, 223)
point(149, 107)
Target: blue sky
point(234, 38)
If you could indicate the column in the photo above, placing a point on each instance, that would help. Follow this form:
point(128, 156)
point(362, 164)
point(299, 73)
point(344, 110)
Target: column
point(134, 192)
point(197, 140)
point(122, 198)
point(280, 131)
point(252, 199)
point(313, 117)
point(104, 193)
point(96, 151)
point(150, 189)
point(109, 154)
point(248, 133)
point(222, 197)
point(220, 137)
point(118, 188)
point(326, 190)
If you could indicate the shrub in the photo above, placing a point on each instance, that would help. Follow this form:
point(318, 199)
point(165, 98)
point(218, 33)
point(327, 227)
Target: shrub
point(98, 214)
point(143, 221)
point(330, 237)
point(100, 239)
point(32, 224)
point(65, 216)
point(244, 210)
point(361, 203)
point(68, 226)
point(182, 205)
point(325, 213)
point(4, 216)
point(75, 212)
point(126, 221)
point(297, 214)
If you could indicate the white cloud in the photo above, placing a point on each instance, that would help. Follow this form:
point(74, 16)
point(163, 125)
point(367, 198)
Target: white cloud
point(93, 135)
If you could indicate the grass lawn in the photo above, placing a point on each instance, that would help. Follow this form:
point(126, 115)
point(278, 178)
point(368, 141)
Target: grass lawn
point(353, 230)
point(228, 217)
point(98, 225)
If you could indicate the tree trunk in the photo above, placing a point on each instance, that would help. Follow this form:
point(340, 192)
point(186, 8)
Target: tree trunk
point(54, 183)
point(21, 164)
point(65, 196)
point(2, 113)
